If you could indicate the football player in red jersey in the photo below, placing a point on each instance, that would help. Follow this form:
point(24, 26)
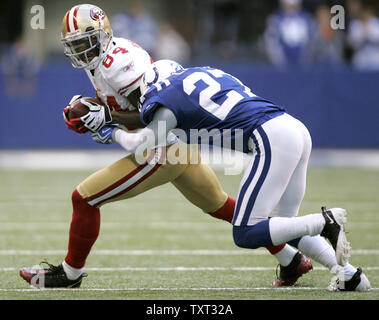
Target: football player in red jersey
point(115, 67)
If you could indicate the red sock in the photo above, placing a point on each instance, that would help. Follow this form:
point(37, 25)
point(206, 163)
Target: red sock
point(226, 212)
point(275, 249)
point(85, 226)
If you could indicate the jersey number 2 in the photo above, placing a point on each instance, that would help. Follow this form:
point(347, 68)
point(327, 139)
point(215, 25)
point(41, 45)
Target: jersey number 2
point(205, 95)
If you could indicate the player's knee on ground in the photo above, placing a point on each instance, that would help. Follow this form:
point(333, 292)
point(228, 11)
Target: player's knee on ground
point(252, 237)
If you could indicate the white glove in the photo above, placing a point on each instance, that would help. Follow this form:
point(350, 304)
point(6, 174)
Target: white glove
point(97, 117)
point(74, 98)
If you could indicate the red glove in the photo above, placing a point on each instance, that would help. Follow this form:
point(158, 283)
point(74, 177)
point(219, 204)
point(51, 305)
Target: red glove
point(75, 124)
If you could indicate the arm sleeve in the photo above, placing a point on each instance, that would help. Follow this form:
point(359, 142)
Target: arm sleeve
point(155, 133)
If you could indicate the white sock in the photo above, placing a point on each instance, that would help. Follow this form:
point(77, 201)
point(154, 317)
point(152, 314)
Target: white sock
point(285, 255)
point(71, 272)
point(319, 250)
point(286, 229)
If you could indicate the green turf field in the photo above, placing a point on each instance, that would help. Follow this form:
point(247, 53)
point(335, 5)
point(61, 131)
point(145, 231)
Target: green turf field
point(158, 246)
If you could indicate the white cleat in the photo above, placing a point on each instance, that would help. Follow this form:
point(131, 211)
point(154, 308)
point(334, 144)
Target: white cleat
point(334, 231)
point(358, 282)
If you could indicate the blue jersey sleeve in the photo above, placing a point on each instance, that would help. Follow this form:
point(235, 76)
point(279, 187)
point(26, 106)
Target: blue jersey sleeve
point(148, 105)
point(155, 97)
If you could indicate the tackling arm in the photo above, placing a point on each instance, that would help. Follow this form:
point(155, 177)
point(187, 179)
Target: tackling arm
point(129, 119)
point(155, 133)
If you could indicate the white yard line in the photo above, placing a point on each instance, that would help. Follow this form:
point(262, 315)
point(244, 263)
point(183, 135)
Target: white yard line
point(123, 225)
point(185, 269)
point(147, 252)
point(52, 226)
point(97, 159)
point(34, 290)
point(137, 252)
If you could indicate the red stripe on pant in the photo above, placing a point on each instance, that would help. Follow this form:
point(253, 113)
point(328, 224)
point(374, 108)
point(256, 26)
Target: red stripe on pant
point(148, 174)
point(118, 183)
point(128, 176)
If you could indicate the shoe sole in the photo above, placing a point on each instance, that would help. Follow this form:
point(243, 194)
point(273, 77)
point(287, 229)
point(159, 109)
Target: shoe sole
point(28, 277)
point(343, 246)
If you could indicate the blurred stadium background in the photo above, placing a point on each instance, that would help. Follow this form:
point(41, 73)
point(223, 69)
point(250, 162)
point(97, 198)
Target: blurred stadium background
point(285, 51)
point(327, 78)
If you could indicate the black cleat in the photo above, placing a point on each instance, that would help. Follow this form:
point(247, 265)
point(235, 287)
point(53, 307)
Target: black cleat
point(288, 275)
point(51, 277)
point(333, 230)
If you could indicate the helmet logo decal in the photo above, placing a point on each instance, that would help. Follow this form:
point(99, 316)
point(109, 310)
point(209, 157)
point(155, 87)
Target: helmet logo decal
point(97, 14)
point(156, 76)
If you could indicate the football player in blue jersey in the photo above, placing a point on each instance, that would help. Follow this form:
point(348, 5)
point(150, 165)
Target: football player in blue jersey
point(201, 100)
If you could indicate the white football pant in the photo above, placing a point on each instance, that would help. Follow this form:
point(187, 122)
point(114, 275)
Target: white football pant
point(273, 184)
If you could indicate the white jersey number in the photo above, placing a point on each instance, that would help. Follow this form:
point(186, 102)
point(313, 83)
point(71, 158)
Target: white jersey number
point(205, 95)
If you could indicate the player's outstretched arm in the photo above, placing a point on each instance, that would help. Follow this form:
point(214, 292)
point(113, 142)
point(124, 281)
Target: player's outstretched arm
point(129, 119)
point(155, 133)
